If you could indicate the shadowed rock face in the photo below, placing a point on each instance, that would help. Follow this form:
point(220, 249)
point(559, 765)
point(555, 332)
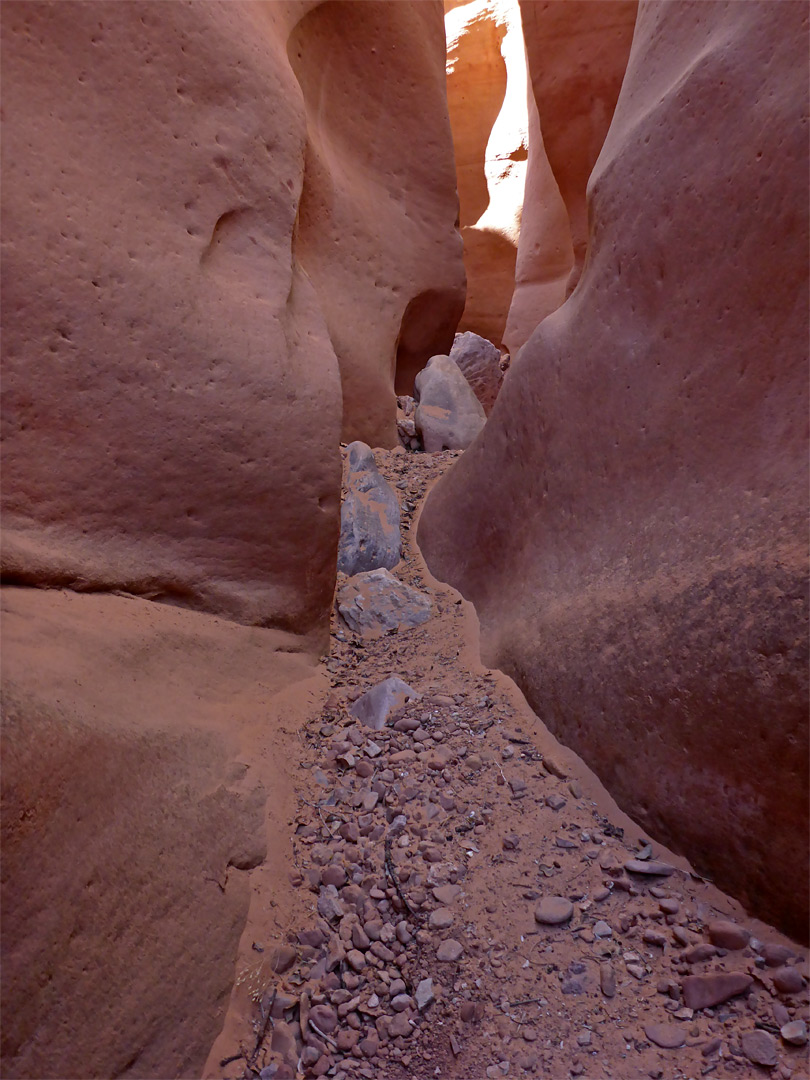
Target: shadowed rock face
point(639, 561)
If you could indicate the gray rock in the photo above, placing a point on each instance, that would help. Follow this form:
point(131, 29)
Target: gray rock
point(424, 994)
point(369, 516)
point(383, 702)
point(448, 414)
point(480, 363)
point(794, 1032)
point(652, 868)
point(375, 602)
point(667, 1036)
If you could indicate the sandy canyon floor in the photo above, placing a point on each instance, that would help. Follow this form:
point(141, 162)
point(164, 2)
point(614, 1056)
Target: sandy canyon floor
point(396, 920)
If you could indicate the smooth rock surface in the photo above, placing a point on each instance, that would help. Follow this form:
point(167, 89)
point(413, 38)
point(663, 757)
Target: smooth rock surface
point(369, 516)
point(448, 414)
point(667, 1036)
point(704, 991)
point(553, 910)
point(727, 935)
point(760, 1047)
point(383, 702)
point(375, 602)
point(639, 561)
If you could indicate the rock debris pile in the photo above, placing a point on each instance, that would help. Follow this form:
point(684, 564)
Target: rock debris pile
point(467, 910)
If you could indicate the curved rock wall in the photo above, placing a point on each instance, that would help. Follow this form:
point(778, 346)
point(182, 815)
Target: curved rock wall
point(376, 227)
point(639, 562)
point(188, 237)
point(576, 53)
point(486, 93)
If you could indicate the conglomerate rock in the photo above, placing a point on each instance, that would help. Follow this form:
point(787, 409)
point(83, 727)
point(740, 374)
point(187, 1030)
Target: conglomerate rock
point(638, 560)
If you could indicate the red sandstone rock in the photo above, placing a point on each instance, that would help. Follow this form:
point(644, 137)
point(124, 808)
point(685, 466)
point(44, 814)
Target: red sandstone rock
point(376, 225)
point(577, 54)
point(486, 93)
point(639, 563)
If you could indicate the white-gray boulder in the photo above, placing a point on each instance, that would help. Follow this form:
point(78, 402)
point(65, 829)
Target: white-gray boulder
point(448, 415)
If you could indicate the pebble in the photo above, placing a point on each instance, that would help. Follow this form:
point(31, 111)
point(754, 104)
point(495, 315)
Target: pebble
point(602, 929)
point(787, 980)
point(776, 955)
point(667, 1036)
point(553, 910)
point(449, 951)
point(555, 802)
point(794, 1033)
point(760, 1047)
point(282, 958)
point(669, 905)
point(446, 894)
point(441, 919)
point(323, 1018)
point(424, 994)
point(727, 935)
point(607, 980)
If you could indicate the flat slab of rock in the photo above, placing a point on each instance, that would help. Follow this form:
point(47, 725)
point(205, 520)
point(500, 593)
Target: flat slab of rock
point(448, 415)
point(375, 602)
point(667, 1036)
point(480, 363)
point(704, 991)
point(369, 517)
point(553, 910)
point(760, 1047)
point(383, 702)
point(651, 867)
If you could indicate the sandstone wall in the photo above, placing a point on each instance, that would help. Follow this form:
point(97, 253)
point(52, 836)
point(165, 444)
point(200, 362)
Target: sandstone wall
point(376, 226)
point(639, 562)
point(576, 53)
point(200, 205)
point(486, 93)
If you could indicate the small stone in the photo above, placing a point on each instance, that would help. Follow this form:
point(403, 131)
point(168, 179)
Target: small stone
point(401, 1002)
point(602, 929)
point(446, 894)
point(424, 994)
point(355, 960)
point(510, 842)
point(705, 991)
point(282, 958)
point(401, 1025)
point(333, 875)
point(794, 1033)
point(776, 955)
point(441, 919)
point(669, 905)
point(555, 802)
point(667, 1036)
point(329, 905)
point(760, 1047)
point(553, 910)
point(584, 1038)
point(449, 951)
point(727, 935)
point(555, 767)
point(698, 953)
point(323, 1018)
point(607, 980)
point(652, 867)
point(711, 1047)
point(787, 980)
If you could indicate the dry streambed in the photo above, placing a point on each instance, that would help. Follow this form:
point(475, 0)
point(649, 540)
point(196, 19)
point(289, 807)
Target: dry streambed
point(471, 907)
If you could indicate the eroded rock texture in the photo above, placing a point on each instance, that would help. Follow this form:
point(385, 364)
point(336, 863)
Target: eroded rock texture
point(639, 560)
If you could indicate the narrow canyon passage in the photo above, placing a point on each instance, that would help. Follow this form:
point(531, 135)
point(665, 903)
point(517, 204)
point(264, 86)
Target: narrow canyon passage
point(404, 539)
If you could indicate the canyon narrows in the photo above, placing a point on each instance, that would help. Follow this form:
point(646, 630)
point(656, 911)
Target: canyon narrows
point(261, 818)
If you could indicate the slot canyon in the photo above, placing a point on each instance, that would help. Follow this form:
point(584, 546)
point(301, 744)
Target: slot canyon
point(404, 539)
